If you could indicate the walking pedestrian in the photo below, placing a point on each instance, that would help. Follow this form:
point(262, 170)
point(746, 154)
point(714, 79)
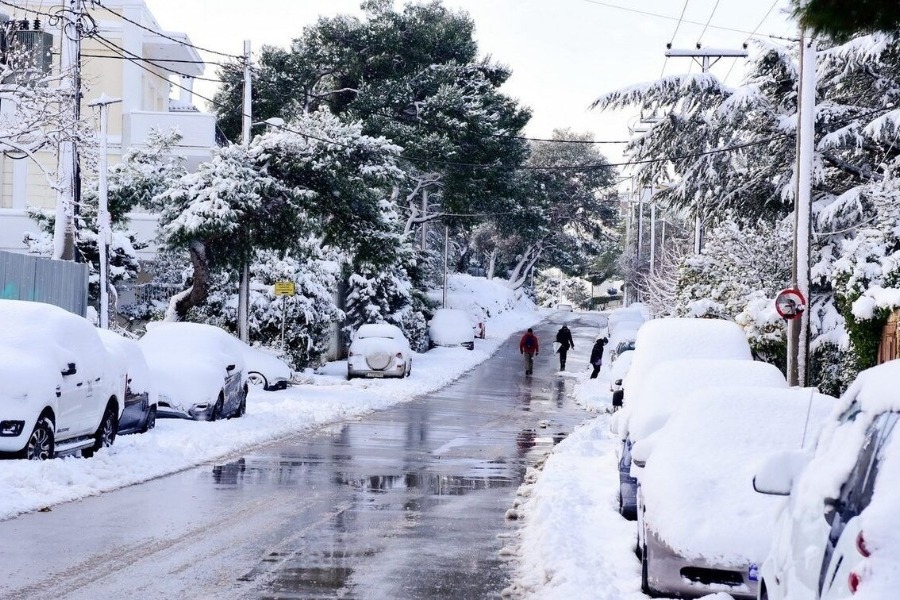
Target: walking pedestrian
point(597, 355)
point(529, 348)
point(565, 341)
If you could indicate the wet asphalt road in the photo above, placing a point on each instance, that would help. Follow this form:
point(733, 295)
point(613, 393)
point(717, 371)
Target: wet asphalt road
point(408, 502)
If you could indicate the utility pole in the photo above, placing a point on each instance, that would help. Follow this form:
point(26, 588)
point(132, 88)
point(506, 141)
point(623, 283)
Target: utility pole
point(706, 58)
point(652, 236)
point(446, 255)
point(244, 286)
point(68, 195)
point(798, 329)
point(104, 226)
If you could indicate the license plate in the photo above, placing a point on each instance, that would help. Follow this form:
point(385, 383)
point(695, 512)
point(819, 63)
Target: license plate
point(376, 375)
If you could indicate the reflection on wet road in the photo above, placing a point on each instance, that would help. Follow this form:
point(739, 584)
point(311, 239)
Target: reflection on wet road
point(408, 502)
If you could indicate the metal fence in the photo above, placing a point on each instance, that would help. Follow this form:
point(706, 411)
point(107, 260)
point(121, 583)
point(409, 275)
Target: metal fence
point(38, 279)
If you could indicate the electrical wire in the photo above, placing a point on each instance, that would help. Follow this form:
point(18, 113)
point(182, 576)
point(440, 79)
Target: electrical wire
point(152, 72)
point(163, 35)
point(755, 29)
point(169, 60)
point(672, 41)
point(149, 60)
point(708, 21)
point(671, 18)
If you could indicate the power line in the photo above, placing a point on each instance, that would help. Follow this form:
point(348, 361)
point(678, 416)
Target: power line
point(755, 29)
point(672, 41)
point(148, 60)
point(168, 60)
point(152, 72)
point(708, 21)
point(163, 35)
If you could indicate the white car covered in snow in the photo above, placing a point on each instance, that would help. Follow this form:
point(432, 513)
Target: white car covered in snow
point(839, 534)
point(451, 327)
point(704, 529)
point(379, 350)
point(61, 390)
point(266, 370)
point(199, 371)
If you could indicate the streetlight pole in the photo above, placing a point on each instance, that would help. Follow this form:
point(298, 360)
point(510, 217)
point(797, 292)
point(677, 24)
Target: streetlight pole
point(104, 226)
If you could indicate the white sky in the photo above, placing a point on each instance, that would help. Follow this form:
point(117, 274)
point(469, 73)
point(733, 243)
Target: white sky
point(563, 53)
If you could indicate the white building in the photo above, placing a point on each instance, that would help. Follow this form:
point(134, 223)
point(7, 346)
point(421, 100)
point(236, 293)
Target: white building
point(156, 91)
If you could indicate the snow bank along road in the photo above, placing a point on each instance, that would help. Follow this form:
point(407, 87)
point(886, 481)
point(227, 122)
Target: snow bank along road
point(407, 502)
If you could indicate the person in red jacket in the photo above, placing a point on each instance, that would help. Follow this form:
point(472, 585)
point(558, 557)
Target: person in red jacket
point(529, 347)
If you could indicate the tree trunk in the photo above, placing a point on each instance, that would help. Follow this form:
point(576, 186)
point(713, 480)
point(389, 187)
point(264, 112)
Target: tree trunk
point(520, 273)
point(492, 264)
point(195, 295)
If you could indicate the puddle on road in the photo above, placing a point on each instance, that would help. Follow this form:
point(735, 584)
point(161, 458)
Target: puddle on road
point(432, 483)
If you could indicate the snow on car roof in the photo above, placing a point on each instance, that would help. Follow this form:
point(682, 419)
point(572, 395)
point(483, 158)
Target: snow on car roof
point(135, 365)
point(671, 381)
point(669, 339)
point(383, 330)
point(876, 388)
point(38, 340)
point(697, 483)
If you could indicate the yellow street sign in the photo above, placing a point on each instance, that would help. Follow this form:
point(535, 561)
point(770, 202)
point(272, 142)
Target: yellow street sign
point(284, 288)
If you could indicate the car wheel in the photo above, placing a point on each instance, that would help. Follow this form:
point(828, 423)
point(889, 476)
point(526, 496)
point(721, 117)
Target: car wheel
point(409, 369)
point(151, 420)
point(349, 376)
point(242, 407)
point(40, 444)
point(106, 432)
point(763, 592)
point(216, 413)
point(257, 379)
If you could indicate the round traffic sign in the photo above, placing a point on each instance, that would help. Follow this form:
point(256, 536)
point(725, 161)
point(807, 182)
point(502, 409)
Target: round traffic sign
point(790, 303)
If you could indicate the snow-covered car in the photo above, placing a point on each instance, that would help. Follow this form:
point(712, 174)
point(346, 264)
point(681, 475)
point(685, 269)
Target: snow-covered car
point(704, 529)
point(564, 307)
point(666, 388)
point(839, 533)
point(139, 412)
point(451, 327)
point(658, 341)
point(266, 370)
point(198, 369)
point(630, 317)
point(622, 340)
point(379, 350)
point(61, 390)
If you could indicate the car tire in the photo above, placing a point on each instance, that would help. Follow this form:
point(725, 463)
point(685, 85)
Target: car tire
point(409, 370)
point(257, 379)
point(41, 442)
point(151, 420)
point(242, 407)
point(106, 431)
point(349, 376)
point(763, 592)
point(219, 406)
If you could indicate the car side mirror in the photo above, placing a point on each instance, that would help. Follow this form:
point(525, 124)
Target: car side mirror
point(230, 368)
point(833, 506)
point(618, 382)
point(69, 370)
point(776, 475)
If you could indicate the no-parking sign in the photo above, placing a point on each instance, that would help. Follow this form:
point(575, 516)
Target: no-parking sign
point(790, 303)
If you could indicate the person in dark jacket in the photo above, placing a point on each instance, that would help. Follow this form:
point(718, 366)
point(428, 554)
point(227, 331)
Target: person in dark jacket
point(565, 341)
point(597, 355)
point(528, 346)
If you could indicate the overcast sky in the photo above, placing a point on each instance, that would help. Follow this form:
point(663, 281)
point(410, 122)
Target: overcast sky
point(563, 53)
